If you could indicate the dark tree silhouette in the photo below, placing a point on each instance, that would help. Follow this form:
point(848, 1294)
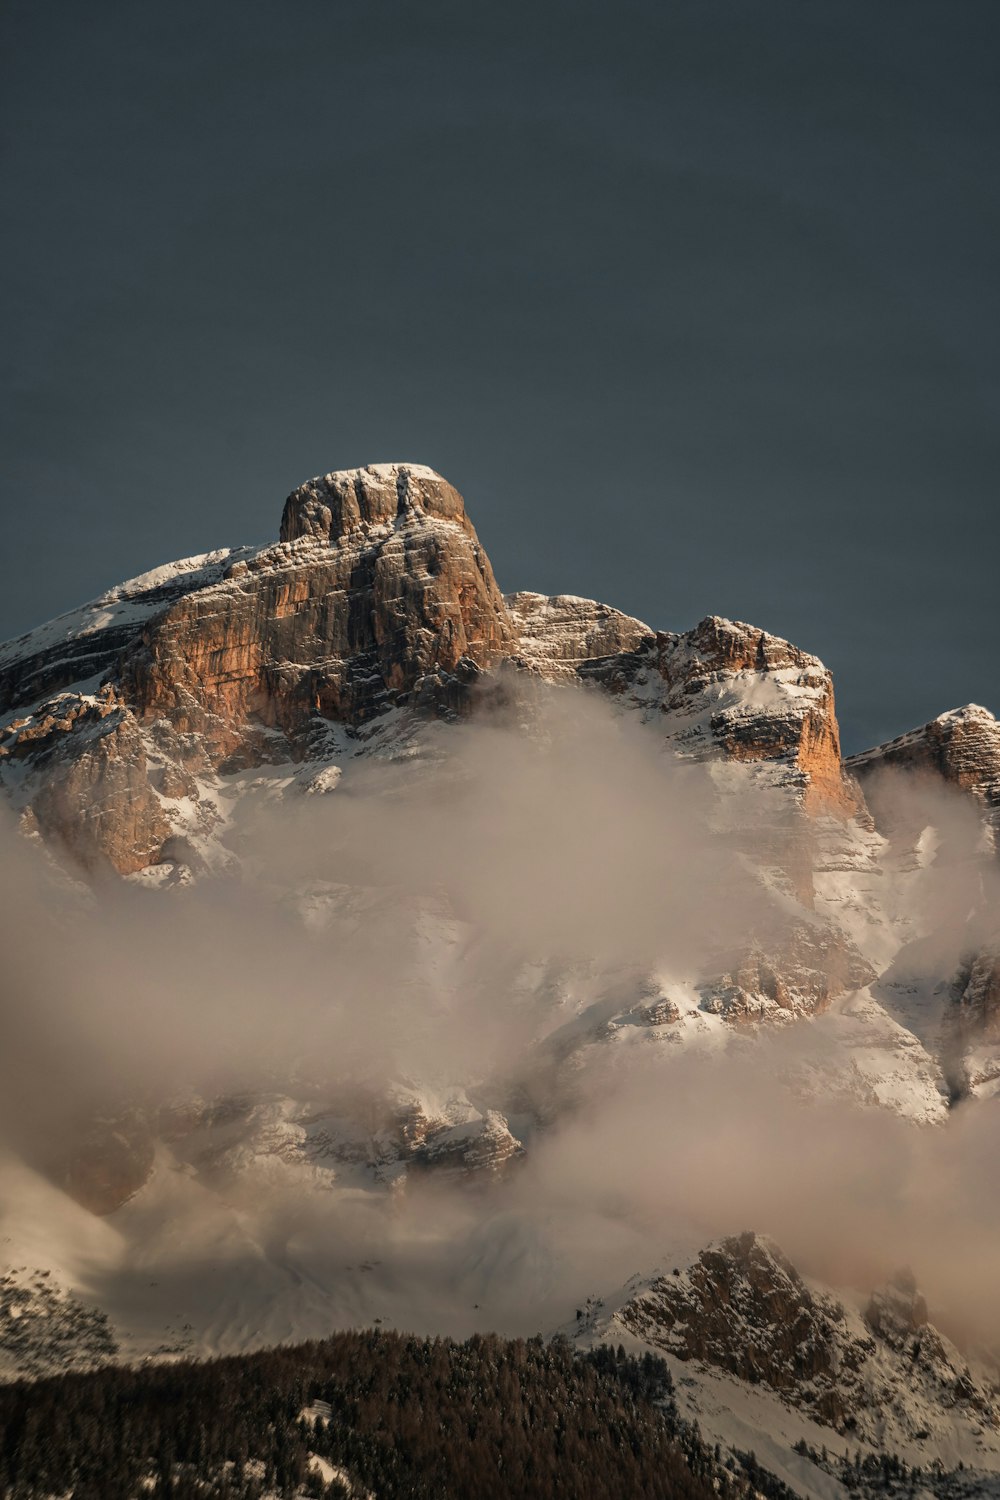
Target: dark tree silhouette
point(428, 1419)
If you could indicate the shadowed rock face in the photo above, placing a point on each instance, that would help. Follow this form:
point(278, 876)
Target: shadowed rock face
point(976, 994)
point(971, 1028)
point(111, 1161)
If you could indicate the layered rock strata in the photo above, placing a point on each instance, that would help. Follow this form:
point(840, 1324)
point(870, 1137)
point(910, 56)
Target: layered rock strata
point(378, 595)
point(378, 582)
point(960, 748)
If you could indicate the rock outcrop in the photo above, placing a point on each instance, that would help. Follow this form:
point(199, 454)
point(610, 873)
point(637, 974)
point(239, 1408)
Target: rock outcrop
point(483, 1147)
point(378, 583)
point(888, 1377)
point(802, 975)
point(744, 1308)
point(960, 748)
point(559, 636)
point(755, 697)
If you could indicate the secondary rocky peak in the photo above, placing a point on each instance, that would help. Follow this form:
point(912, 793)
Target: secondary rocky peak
point(743, 1308)
point(758, 698)
point(733, 646)
point(961, 747)
point(337, 505)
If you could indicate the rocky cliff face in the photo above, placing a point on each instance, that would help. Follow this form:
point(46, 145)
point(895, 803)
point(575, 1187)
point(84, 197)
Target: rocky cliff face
point(757, 698)
point(378, 584)
point(885, 1376)
point(805, 974)
point(378, 595)
point(960, 749)
point(233, 1144)
point(722, 689)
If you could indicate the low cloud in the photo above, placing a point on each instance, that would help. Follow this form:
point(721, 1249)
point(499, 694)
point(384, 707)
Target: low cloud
point(428, 920)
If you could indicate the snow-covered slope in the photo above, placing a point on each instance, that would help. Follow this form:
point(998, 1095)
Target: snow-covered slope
point(85, 643)
point(764, 1359)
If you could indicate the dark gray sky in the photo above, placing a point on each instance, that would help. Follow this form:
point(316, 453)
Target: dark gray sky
point(697, 301)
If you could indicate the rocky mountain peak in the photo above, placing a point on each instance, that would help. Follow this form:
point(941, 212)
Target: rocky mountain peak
point(339, 505)
point(377, 596)
point(734, 646)
point(758, 698)
point(885, 1375)
point(960, 747)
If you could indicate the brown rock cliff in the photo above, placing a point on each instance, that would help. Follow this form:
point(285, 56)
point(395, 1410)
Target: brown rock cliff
point(378, 594)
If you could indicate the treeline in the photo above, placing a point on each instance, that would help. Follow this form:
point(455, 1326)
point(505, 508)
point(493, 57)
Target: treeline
point(889, 1475)
point(424, 1419)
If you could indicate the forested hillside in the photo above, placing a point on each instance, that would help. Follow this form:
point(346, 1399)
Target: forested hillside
point(381, 1413)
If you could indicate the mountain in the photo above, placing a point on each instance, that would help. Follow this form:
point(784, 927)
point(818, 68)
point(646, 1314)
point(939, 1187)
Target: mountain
point(960, 749)
point(377, 596)
point(389, 899)
point(958, 753)
point(762, 1356)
